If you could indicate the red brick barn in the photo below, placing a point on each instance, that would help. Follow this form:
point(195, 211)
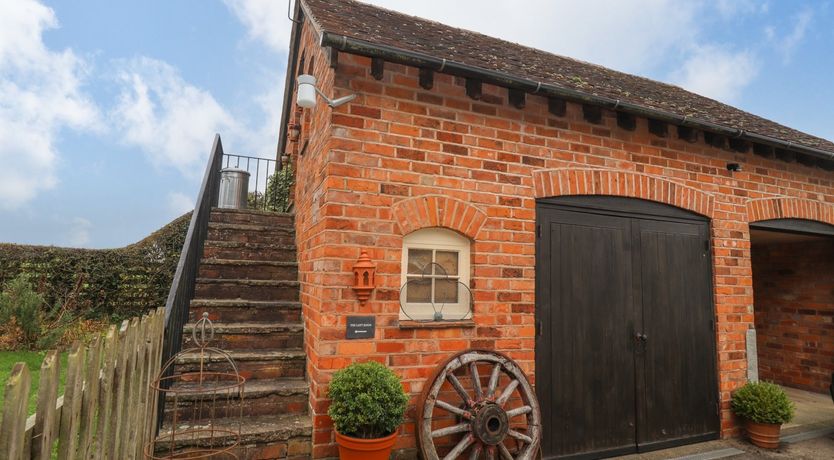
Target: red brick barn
point(602, 222)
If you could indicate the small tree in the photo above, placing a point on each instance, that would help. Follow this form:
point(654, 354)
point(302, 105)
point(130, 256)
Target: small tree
point(40, 327)
point(21, 304)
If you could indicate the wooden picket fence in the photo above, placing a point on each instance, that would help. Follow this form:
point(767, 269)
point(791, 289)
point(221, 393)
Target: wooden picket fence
point(107, 410)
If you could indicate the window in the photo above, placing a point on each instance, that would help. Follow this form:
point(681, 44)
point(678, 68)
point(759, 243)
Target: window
point(435, 276)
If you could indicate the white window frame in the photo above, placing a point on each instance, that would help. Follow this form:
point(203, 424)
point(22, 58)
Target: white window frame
point(444, 240)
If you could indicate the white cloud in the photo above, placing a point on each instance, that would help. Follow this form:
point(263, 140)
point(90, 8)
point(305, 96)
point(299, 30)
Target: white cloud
point(78, 233)
point(787, 44)
point(730, 8)
point(180, 203)
point(172, 121)
point(639, 37)
point(263, 142)
point(716, 72)
point(628, 36)
point(265, 20)
point(40, 93)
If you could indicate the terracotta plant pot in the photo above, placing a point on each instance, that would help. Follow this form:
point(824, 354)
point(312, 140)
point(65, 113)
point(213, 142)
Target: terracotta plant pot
point(764, 435)
point(365, 449)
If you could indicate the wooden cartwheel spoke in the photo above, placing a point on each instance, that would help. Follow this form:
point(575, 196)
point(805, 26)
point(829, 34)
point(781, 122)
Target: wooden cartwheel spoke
point(479, 405)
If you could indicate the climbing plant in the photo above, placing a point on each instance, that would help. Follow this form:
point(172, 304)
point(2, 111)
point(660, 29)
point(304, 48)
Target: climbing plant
point(278, 189)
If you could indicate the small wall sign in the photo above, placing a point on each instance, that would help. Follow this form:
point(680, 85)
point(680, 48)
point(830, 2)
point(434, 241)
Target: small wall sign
point(361, 327)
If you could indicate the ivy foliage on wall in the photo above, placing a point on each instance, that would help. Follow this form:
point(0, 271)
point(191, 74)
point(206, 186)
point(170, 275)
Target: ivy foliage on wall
point(278, 189)
point(276, 197)
point(110, 284)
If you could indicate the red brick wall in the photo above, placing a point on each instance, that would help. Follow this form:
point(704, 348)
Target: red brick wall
point(793, 286)
point(311, 234)
point(399, 151)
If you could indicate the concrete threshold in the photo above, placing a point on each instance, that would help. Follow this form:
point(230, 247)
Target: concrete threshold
point(713, 454)
point(806, 435)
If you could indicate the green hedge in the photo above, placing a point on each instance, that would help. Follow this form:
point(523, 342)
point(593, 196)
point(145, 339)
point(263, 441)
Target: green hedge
point(115, 283)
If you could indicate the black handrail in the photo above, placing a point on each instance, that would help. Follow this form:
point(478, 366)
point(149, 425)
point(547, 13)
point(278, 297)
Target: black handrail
point(185, 278)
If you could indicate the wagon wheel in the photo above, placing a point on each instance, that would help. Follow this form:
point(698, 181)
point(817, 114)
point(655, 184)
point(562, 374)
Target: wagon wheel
point(479, 405)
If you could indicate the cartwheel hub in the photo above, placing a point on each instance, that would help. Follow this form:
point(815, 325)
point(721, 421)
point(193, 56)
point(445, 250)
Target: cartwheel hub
point(490, 423)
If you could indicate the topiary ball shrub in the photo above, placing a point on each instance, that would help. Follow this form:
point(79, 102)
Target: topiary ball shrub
point(763, 402)
point(367, 401)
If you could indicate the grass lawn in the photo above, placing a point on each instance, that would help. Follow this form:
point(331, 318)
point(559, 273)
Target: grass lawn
point(33, 360)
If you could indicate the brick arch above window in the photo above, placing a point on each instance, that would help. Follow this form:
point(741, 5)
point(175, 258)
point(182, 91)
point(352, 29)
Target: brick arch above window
point(438, 211)
point(789, 208)
point(569, 181)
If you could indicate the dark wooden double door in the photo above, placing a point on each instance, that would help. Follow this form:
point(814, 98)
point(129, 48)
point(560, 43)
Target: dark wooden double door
point(625, 348)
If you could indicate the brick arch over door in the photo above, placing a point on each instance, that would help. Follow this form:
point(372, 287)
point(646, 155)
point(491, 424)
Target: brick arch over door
point(560, 182)
point(789, 208)
point(438, 211)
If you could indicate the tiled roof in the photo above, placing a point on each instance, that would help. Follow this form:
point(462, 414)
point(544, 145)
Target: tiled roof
point(385, 27)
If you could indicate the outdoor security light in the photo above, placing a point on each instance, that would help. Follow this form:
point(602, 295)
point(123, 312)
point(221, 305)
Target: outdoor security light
point(306, 95)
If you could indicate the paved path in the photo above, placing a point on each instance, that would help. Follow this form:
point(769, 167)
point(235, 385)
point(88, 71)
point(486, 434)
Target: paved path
point(816, 448)
point(809, 437)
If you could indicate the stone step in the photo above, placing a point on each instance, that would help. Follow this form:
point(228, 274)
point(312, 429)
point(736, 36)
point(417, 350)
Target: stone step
point(192, 402)
point(251, 364)
point(250, 216)
point(250, 336)
point(248, 269)
point(276, 436)
point(248, 233)
point(249, 251)
point(210, 288)
point(236, 310)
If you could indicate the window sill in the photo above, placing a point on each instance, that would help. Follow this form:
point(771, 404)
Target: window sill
point(465, 324)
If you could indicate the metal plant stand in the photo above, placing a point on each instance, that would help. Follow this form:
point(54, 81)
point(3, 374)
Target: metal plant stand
point(479, 405)
point(206, 389)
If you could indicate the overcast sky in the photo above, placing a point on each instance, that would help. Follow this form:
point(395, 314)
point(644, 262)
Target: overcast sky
point(108, 107)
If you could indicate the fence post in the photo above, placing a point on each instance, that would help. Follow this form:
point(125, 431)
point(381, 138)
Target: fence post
point(136, 388)
point(43, 433)
point(147, 377)
point(104, 429)
point(71, 412)
point(155, 366)
point(129, 356)
point(13, 427)
point(118, 393)
point(90, 397)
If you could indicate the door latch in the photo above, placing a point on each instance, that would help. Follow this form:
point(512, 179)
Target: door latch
point(641, 337)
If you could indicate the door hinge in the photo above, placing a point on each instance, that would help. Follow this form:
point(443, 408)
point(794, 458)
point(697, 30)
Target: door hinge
point(538, 231)
point(538, 328)
point(718, 408)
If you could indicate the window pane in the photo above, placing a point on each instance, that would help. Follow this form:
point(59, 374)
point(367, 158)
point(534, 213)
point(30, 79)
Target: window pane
point(446, 291)
point(418, 290)
point(418, 260)
point(448, 260)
